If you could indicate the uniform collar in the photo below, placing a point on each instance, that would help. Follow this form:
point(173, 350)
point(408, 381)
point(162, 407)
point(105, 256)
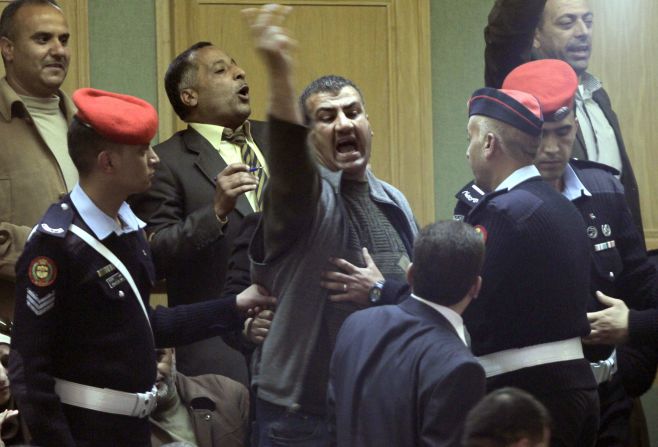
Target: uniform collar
point(100, 223)
point(573, 187)
point(453, 317)
point(519, 176)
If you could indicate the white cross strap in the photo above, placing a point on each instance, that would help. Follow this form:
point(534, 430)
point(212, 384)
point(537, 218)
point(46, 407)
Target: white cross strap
point(107, 254)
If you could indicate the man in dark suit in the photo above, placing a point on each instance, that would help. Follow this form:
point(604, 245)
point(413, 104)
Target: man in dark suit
point(210, 176)
point(522, 30)
point(403, 375)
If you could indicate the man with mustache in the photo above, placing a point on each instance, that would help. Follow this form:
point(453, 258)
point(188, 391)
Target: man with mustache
point(210, 176)
point(322, 201)
point(35, 167)
point(206, 411)
point(523, 30)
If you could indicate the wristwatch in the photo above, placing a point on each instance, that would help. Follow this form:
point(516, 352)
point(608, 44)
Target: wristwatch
point(375, 294)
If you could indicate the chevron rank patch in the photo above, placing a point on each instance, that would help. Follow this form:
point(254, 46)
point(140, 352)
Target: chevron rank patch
point(42, 271)
point(40, 304)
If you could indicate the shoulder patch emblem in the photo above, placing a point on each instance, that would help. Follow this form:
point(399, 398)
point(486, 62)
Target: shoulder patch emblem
point(468, 196)
point(42, 271)
point(482, 232)
point(51, 230)
point(40, 304)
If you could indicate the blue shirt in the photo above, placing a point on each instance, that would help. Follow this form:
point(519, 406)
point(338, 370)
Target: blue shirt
point(100, 223)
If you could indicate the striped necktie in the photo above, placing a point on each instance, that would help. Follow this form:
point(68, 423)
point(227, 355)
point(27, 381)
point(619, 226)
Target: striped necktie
point(238, 138)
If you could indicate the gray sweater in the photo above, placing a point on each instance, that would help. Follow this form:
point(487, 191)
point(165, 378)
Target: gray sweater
point(305, 223)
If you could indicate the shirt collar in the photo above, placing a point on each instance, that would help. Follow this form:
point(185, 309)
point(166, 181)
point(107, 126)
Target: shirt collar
point(213, 133)
point(453, 317)
point(519, 176)
point(100, 223)
point(573, 187)
point(587, 85)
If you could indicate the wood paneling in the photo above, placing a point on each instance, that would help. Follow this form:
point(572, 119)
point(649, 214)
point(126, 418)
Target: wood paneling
point(625, 58)
point(75, 12)
point(383, 46)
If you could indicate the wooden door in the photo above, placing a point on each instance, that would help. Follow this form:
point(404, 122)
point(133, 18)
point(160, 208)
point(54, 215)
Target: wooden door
point(625, 58)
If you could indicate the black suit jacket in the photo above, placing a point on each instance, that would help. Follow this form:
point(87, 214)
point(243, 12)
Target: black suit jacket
point(190, 247)
point(401, 376)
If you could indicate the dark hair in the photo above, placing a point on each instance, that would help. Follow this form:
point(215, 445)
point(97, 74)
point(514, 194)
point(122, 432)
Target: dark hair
point(84, 146)
point(7, 17)
point(181, 74)
point(329, 83)
point(503, 417)
point(448, 256)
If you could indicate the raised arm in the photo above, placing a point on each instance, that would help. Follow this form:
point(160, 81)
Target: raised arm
point(508, 37)
point(293, 189)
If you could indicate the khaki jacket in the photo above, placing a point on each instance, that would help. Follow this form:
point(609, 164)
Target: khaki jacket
point(225, 425)
point(30, 181)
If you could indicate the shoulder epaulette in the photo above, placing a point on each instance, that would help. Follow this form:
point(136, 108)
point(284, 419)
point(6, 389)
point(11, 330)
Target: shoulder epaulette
point(589, 164)
point(470, 194)
point(57, 220)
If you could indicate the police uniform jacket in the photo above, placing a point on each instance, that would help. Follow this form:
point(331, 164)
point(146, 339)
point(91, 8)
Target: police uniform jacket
point(620, 266)
point(30, 180)
point(78, 319)
point(534, 289)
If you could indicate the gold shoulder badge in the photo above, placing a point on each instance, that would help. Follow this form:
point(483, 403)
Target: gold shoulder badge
point(42, 271)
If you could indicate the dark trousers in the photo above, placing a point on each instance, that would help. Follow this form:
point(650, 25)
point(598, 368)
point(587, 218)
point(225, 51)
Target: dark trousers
point(95, 429)
point(616, 407)
point(575, 415)
point(279, 426)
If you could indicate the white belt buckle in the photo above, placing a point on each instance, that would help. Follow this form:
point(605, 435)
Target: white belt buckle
point(146, 403)
point(604, 369)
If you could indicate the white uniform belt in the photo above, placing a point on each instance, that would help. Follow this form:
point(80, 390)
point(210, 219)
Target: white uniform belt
point(604, 369)
point(106, 400)
point(509, 360)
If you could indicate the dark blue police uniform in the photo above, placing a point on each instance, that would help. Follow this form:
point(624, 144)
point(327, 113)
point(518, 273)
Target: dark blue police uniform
point(619, 268)
point(534, 293)
point(77, 319)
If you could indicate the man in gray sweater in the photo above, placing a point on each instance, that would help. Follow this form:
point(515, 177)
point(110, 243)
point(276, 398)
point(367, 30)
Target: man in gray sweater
point(322, 201)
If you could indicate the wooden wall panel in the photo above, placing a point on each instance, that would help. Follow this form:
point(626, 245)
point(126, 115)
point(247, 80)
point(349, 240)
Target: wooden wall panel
point(625, 58)
point(76, 16)
point(383, 46)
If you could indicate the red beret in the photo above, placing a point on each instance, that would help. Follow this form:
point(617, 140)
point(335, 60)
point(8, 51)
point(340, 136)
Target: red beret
point(553, 82)
point(119, 118)
point(515, 108)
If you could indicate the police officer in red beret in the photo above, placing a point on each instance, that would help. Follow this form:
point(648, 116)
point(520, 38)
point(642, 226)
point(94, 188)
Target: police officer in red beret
point(620, 267)
point(528, 320)
point(82, 366)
